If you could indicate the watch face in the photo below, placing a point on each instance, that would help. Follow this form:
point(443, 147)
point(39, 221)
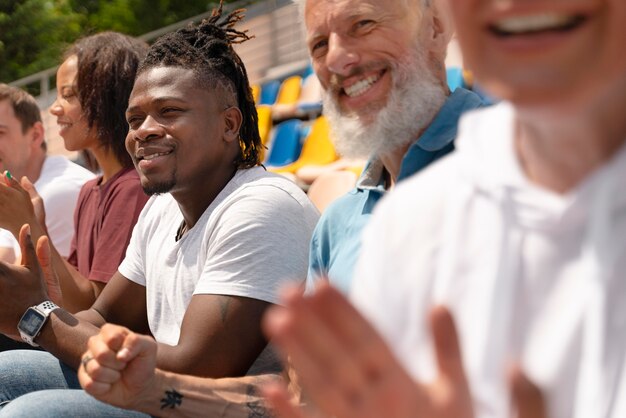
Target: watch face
point(31, 322)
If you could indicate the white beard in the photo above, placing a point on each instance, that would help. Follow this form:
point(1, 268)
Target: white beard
point(415, 97)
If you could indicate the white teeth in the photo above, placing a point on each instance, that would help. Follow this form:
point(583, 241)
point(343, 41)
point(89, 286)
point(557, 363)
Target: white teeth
point(533, 23)
point(361, 86)
point(152, 156)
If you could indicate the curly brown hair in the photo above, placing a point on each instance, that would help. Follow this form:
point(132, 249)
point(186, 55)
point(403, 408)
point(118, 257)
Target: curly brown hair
point(107, 65)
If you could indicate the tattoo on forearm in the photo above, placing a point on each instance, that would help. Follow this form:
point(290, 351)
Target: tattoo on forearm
point(224, 303)
point(255, 405)
point(172, 399)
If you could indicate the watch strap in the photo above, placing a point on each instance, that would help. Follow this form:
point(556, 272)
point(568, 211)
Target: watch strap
point(45, 309)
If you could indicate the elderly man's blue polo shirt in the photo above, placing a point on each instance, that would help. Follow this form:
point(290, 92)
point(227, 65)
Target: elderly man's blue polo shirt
point(336, 240)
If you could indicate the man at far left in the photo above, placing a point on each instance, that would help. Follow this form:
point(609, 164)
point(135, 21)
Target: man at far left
point(57, 180)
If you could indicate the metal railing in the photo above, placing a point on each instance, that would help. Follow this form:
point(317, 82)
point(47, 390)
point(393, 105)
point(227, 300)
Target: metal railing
point(277, 49)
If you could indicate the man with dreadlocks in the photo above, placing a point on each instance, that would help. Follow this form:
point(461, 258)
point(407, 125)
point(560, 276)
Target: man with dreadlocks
point(380, 65)
point(213, 244)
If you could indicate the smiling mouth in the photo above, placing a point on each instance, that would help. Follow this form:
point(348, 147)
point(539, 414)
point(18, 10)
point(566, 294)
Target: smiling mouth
point(535, 24)
point(362, 86)
point(152, 156)
point(156, 154)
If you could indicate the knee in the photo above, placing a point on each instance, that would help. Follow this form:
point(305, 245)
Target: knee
point(65, 403)
point(22, 372)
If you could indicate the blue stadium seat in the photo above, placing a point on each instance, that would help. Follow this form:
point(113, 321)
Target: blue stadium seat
point(307, 71)
point(269, 91)
point(455, 78)
point(286, 146)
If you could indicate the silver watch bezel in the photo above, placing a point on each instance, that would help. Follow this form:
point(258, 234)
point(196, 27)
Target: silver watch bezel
point(41, 311)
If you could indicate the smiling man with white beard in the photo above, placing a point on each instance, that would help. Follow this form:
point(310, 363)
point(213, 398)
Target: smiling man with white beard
point(381, 66)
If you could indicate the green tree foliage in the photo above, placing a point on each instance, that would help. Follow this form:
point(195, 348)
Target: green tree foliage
point(33, 34)
point(136, 17)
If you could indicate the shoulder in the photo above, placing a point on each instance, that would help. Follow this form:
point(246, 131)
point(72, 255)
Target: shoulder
point(485, 123)
point(157, 211)
point(161, 205)
point(89, 186)
point(272, 192)
point(259, 180)
point(126, 183)
point(267, 204)
point(128, 177)
point(416, 209)
point(345, 206)
point(416, 206)
point(344, 211)
point(59, 174)
point(60, 166)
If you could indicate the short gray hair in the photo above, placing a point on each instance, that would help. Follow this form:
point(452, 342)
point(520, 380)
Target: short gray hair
point(302, 4)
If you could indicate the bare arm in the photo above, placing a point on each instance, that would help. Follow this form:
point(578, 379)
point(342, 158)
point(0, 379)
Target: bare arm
point(238, 397)
point(24, 286)
point(122, 302)
point(120, 369)
point(220, 336)
point(78, 292)
point(64, 334)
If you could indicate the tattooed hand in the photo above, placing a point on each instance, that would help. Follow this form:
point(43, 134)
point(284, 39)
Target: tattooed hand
point(172, 399)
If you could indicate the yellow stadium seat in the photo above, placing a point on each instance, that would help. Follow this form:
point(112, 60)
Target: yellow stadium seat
point(265, 122)
point(289, 91)
point(264, 113)
point(256, 91)
point(316, 150)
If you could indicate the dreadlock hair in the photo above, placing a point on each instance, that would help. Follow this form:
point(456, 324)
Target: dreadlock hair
point(207, 50)
point(107, 64)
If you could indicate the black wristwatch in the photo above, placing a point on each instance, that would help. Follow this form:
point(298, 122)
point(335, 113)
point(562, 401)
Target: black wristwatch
point(33, 320)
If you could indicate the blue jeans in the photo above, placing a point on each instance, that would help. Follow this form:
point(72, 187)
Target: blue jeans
point(35, 384)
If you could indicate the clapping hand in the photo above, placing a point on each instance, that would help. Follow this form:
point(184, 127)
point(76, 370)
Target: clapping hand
point(348, 370)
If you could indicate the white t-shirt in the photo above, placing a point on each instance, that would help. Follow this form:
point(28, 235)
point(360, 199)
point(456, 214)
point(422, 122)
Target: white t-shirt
point(58, 185)
point(529, 275)
point(251, 240)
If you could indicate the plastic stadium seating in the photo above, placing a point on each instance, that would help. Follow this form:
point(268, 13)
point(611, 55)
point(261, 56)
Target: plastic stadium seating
point(310, 100)
point(317, 148)
point(265, 122)
point(455, 78)
point(308, 71)
point(286, 145)
point(289, 91)
point(269, 91)
point(256, 92)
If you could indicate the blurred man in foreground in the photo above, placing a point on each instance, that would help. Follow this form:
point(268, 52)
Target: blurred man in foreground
point(519, 234)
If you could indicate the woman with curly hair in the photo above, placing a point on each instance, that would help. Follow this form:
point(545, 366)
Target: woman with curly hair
point(93, 86)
